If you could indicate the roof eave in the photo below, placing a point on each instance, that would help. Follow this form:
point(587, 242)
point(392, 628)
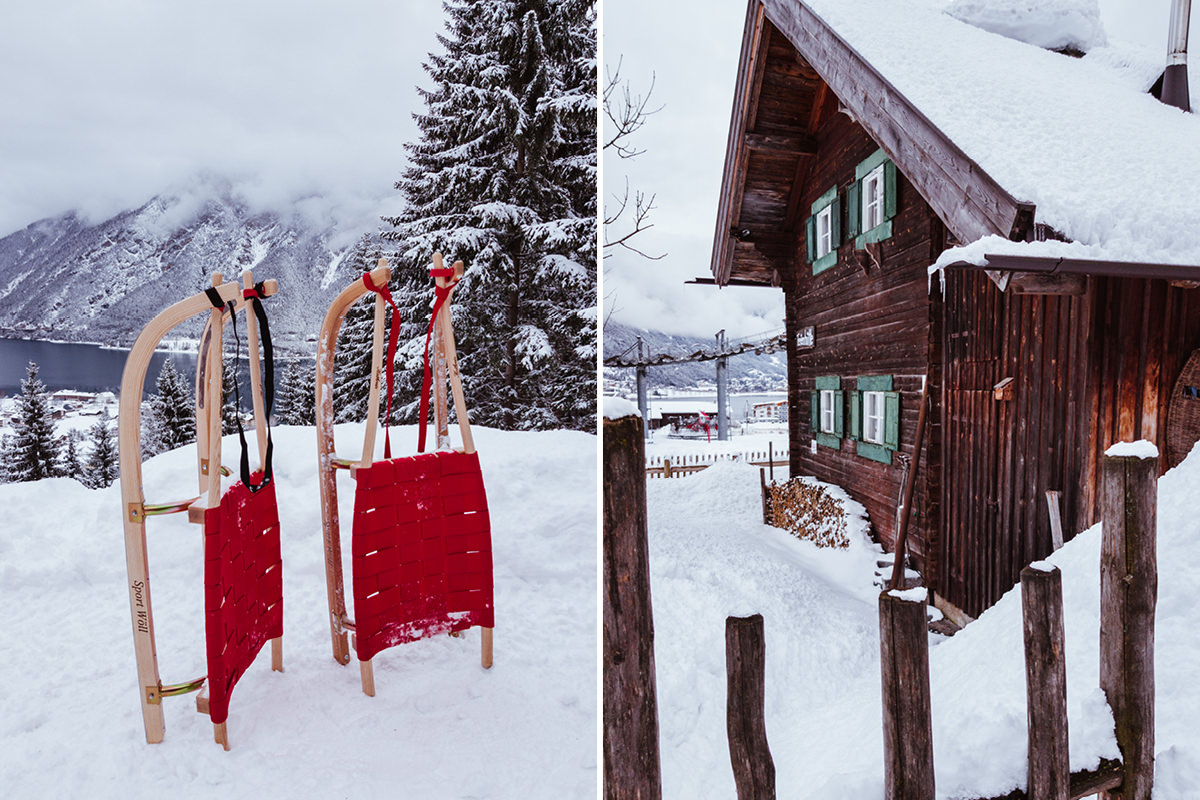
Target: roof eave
point(732, 177)
point(1049, 265)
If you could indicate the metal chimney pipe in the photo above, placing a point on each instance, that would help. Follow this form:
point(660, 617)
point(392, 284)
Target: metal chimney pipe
point(1175, 80)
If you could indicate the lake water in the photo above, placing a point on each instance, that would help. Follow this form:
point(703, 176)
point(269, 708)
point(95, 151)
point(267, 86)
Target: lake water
point(92, 368)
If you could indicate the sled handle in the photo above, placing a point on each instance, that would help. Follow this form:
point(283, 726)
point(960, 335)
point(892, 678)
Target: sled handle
point(447, 353)
point(133, 497)
point(326, 347)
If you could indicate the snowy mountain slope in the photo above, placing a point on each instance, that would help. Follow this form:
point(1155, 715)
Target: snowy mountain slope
point(711, 556)
point(748, 372)
point(439, 725)
point(68, 279)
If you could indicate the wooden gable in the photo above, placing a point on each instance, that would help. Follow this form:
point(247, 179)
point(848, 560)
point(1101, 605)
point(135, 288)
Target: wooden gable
point(794, 70)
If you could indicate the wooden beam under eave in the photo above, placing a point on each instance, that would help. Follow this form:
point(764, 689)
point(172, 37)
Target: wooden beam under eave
point(966, 198)
point(782, 144)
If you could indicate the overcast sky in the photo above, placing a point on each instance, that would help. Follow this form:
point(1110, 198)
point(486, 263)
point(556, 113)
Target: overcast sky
point(104, 104)
point(691, 49)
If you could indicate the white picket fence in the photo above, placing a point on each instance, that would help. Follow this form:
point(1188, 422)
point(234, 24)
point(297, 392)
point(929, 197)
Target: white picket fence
point(677, 466)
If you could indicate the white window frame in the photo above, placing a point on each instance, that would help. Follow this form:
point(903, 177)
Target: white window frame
point(827, 412)
point(873, 410)
point(825, 231)
point(872, 199)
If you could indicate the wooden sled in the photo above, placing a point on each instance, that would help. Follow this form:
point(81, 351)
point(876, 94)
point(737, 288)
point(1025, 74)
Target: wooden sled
point(209, 470)
point(444, 368)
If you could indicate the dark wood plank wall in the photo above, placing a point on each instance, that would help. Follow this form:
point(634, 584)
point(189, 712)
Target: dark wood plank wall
point(872, 322)
point(1088, 371)
point(1001, 456)
point(1143, 332)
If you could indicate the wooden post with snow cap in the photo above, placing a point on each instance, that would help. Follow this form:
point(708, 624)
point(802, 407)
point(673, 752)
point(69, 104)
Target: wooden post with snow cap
point(1128, 597)
point(1049, 768)
point(631, 758)
point(907, 714)
point(745, 708)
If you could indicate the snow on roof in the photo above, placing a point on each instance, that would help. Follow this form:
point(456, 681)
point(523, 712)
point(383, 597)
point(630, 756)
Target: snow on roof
point(1053, 25)
point(1106, 164)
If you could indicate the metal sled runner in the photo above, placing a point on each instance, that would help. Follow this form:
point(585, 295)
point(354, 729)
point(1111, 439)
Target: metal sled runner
point(242, 569)
point(421, 539)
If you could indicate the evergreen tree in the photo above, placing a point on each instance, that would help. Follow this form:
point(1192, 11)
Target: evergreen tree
point(352, 360)
point(229, 409)
point(34, 450)
point(295, 403)
point(101, 469)
point(71, 466)
point(7, 457)
point(504, 178)
point(171, 421)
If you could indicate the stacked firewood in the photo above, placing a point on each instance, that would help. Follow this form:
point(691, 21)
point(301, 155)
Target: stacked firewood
point(808, 512)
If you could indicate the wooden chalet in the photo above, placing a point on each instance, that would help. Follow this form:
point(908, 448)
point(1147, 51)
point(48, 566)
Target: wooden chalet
point(850, 172)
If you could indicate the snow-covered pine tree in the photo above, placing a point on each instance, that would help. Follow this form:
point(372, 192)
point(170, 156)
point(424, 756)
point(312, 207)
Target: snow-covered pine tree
point(504, 178)
point(229, 409)
point(295, 403)
point(101, 467)
point(34, 450)
point(7, 454)
point(352, 360)
point(72, 467)
point(172, 412)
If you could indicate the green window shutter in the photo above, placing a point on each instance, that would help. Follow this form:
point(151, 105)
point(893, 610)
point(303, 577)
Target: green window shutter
point(856, 415)
point(839, 414)
point(835, 221)
point(853, 209)
point(889, 190)
point(891, 420)
point(816, 411)
point(810, 238)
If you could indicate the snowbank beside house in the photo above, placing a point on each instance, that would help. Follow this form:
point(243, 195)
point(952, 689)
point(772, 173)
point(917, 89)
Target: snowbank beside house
point(439, 726)
point(1055, 25)
point(710, 556)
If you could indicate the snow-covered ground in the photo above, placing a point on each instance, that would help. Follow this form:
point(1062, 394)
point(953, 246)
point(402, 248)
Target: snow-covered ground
point(711, 557)
point(439, 725)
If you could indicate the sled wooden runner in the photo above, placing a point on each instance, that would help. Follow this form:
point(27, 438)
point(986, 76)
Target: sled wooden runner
point(393, 482)
point(232, 298)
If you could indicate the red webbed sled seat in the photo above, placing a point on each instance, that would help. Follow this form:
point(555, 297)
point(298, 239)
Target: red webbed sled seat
point(422, 550)
point(243, 574)
point(421, 537)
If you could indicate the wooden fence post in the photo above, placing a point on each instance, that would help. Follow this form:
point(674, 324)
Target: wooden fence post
point(745, 708)
point(666, 467)
point(762, 481)
point(1128, 596)
point(907, 717)
point(631, 761)
point(1049, 773)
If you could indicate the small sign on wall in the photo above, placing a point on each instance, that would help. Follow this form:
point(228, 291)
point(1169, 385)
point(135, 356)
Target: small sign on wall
point(806, 338)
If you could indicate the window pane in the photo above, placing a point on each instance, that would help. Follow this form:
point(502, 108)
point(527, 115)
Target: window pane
point(824, 232)
point(826, 411)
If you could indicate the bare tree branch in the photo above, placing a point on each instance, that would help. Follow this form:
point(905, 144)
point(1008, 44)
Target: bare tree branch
point(626, 113)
